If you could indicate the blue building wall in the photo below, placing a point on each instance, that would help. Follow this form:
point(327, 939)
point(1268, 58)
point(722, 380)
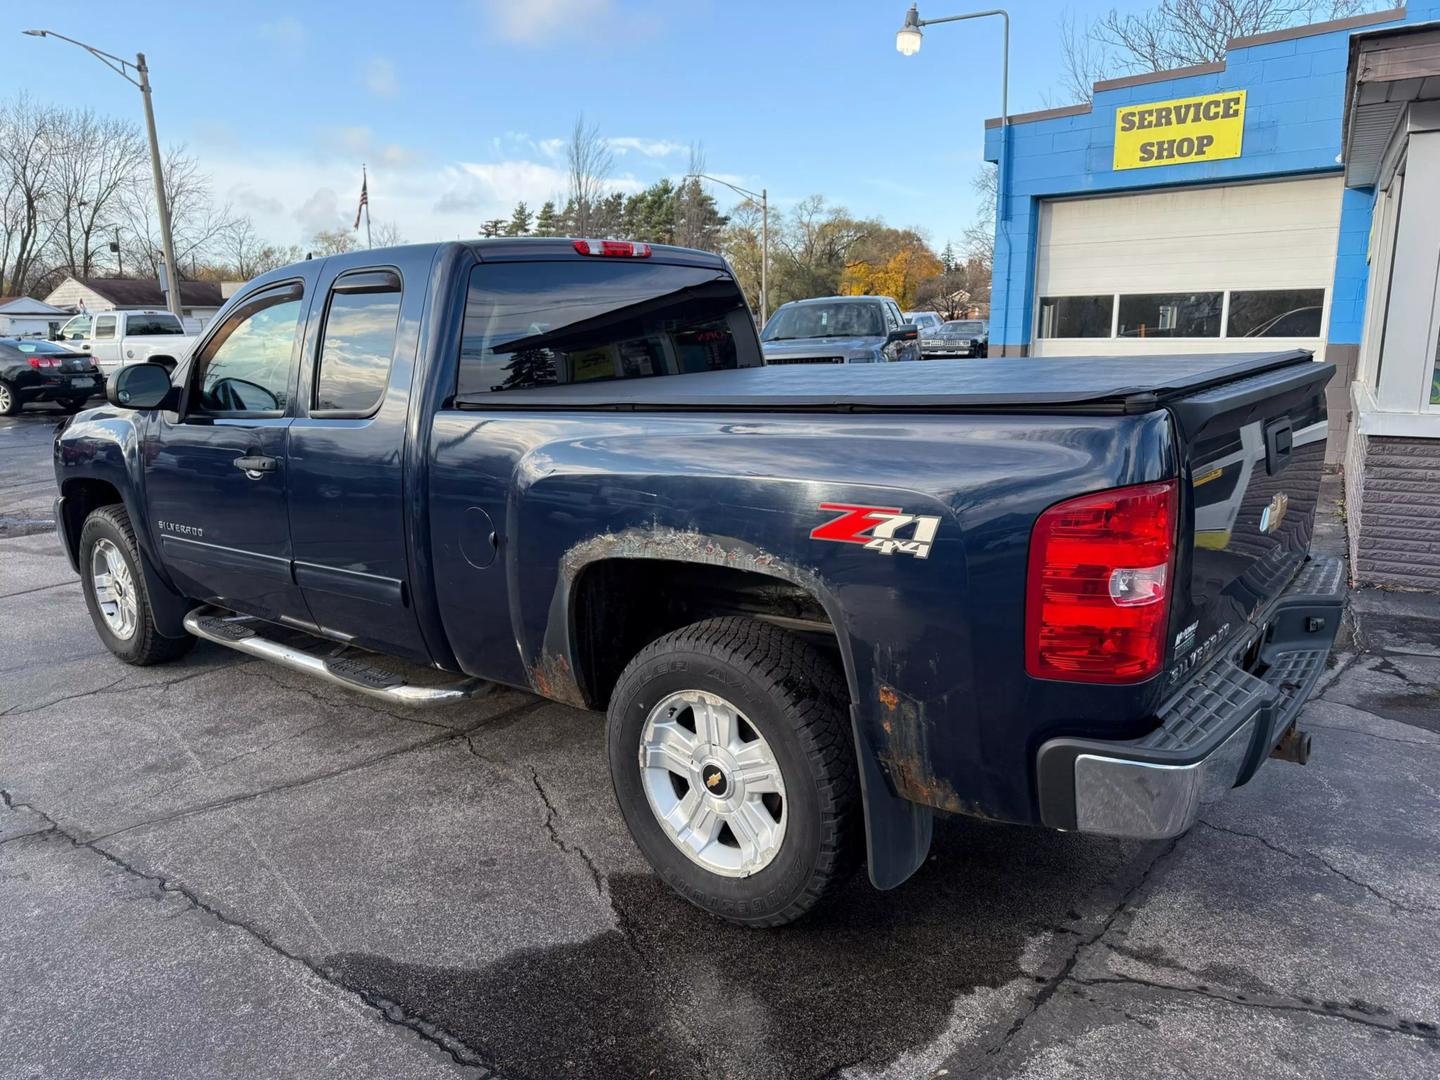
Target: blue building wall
point(1294, 109)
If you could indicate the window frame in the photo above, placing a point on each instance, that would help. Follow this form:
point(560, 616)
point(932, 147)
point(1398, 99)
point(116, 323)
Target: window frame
point(114, 327)
point(317, 360)
point(1109, 335)
point(1224, 335)
point(189, 407)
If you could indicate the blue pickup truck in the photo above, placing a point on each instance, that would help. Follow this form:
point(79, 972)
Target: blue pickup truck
point(819, 604)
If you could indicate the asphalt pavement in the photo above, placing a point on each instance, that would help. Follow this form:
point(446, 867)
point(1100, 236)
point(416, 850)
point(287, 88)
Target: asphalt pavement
point(221, 868)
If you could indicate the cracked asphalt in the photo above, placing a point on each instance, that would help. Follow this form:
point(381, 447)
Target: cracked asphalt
point(219, 868)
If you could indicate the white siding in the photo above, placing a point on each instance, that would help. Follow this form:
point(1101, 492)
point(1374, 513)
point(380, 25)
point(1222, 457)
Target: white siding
point(70, 292)
point(1275, 235)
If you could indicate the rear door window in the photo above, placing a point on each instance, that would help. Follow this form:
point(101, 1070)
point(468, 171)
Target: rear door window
point(361, 322)
point(104, 327)
point(553, 323)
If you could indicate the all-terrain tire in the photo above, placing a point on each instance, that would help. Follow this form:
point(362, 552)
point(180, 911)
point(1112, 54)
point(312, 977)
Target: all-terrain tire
point(145, 645)
point(794, 697)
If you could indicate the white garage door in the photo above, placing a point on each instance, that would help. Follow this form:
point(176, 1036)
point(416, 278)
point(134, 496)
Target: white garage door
point(1216, 269)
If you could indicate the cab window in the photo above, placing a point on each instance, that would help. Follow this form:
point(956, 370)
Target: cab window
point(104, 327)
point(244, 368)
point(546, 323)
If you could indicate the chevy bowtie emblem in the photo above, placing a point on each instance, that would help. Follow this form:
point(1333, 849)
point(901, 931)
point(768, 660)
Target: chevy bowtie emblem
point(1274, 514)
point(714, 780)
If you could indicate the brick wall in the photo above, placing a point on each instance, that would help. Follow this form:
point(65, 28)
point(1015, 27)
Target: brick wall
point(1392, 503)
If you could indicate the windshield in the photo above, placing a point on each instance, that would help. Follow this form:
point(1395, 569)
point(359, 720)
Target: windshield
point(150, 324)
point(840, 319)
point(964, 328)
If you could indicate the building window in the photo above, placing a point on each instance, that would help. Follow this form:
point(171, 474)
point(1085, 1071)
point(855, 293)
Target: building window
point(1170, 315)
point(1076, 316)
point(1282, 313)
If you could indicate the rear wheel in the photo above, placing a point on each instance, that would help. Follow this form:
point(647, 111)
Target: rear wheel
point(9, 402)
point(732, 764)
point(115, 592)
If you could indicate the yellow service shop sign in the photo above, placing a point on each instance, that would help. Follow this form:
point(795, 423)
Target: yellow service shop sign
point(1175, 132)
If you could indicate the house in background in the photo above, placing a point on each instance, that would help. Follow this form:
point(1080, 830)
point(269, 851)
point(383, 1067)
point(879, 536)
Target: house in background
point(24, 316)
point(199, 300)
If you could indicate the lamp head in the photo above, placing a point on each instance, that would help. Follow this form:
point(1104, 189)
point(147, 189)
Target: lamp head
point(34, 33)
point(909, 36)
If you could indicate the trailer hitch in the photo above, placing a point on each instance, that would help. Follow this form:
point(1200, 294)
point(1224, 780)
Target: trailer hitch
point(1294, 746)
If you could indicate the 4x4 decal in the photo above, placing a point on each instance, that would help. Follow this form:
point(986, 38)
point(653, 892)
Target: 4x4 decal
point(875, 527)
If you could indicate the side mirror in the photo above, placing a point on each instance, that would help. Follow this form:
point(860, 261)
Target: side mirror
point(904, 332)
point(139, 386)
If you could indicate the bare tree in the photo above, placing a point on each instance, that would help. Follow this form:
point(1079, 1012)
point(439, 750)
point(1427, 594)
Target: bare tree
point(97, 159)
point(1177, 33)
point(28, 149)
point(590, 164)
point(979, 238)
point(333, 242)
point(196, 223)
point(387, 234)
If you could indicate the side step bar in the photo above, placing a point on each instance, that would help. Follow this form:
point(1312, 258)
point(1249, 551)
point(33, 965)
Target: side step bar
point(242, 633)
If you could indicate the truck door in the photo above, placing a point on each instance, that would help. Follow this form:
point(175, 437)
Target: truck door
point(348, 516)
point(215, 472)
point(105, 342)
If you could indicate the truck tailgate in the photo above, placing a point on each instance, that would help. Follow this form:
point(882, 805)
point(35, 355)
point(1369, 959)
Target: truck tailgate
point(1254, 452)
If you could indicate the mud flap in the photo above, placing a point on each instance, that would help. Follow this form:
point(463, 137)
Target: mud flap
point(897, 831)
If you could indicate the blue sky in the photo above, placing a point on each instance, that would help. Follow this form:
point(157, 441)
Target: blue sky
point(460, 107)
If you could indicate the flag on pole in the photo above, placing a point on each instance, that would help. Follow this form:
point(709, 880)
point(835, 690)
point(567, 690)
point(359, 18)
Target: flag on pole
point(364, 199)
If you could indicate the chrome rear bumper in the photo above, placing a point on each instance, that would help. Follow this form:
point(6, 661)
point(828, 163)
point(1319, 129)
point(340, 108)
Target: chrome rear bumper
point(1211, 736)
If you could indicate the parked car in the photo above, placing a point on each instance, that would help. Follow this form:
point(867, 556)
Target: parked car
point(816, 610)
point(925, 321)
point(34, 370)
point(127, 337)
point(959, 337)
point(839, 330)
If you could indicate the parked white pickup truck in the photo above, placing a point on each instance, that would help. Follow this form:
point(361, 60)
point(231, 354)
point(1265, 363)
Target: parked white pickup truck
point(114, 338)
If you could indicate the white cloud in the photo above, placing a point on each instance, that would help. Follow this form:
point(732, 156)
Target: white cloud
point(654, 148)
point(319, 213)
point(380, 77)
point(537, 21)
point(285, 34)
point(359, 142)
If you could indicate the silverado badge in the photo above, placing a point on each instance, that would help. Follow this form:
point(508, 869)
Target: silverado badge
point(876, 526)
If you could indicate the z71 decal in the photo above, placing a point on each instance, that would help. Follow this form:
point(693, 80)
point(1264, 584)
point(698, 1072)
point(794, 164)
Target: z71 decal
point(876, 526)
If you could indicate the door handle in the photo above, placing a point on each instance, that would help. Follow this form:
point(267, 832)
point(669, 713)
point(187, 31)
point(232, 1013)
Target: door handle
point(256, 466)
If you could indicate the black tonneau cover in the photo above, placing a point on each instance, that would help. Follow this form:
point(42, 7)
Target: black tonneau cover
point(1059, 383)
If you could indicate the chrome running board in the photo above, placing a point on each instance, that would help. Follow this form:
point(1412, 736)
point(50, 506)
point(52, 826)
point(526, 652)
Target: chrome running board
point(243, 634)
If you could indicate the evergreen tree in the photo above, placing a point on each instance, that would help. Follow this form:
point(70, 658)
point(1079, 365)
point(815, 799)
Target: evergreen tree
point(698, 220)
point(547, 222)
point(947, 257)
point(520, 221)
point(492, 227)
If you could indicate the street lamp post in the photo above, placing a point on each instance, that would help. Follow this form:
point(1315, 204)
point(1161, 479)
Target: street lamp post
point(763, 197)
point(907, 42)
point(123, 68)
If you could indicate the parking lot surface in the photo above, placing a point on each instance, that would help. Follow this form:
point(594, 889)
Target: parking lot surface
point(219, 868)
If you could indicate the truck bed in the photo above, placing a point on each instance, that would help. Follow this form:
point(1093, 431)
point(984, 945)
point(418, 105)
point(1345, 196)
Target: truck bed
point(1088, 384)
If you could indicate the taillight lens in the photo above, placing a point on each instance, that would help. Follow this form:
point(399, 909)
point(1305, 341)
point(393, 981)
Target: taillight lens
point(1098, 589)
point(43, 361)
point(616, 249)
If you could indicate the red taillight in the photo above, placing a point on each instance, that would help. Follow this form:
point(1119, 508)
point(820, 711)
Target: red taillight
point(620, 249)
point(1099, 584)
point(43, 361)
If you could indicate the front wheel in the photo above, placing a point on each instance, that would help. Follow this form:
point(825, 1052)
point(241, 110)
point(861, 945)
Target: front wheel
point(733, 766)
point(115, 592)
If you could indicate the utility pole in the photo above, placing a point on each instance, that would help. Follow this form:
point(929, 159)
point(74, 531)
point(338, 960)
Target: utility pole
point(763, 198)
point(162, 199)
point(122, 67)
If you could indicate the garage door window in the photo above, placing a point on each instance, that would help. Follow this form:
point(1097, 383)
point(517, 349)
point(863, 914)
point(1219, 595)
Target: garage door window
point(1076, 316)
point(1171, 315)
point(1286, 313)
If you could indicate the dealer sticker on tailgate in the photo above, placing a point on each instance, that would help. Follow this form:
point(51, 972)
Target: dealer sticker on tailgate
point(876, 527)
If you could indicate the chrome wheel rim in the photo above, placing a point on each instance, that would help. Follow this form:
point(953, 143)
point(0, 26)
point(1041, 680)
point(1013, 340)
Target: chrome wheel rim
point(4, 397)
point(713, 783)
point(114, 589)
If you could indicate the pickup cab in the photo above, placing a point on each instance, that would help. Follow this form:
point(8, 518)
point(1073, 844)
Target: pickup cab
point(818, 608)
point(113, 338)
